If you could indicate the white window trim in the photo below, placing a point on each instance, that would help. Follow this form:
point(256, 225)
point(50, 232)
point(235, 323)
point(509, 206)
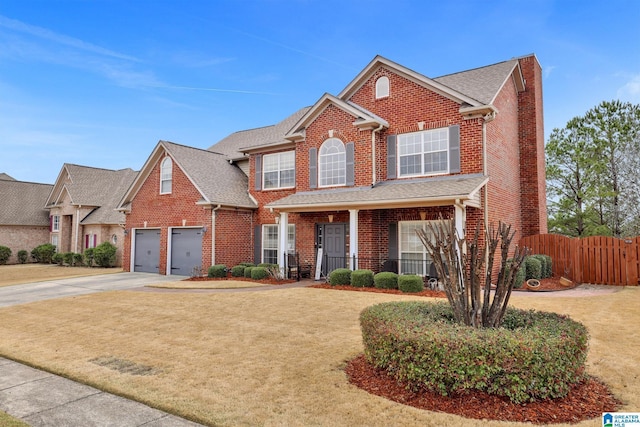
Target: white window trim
point(426, 259)
point(279, 170)
point(55, 223)
point(291, 241)
point(166, 176)
point(322, 170)
point(422, 153)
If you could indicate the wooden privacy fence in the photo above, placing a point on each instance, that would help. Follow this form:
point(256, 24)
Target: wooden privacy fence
point(596, 259)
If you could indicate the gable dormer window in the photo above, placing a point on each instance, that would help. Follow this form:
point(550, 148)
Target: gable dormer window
point(382, 87)
point(332, 163)
point(166, 175)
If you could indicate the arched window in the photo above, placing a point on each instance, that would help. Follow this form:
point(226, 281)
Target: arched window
point(382, 87)
point(332, 163)
point(166, 175)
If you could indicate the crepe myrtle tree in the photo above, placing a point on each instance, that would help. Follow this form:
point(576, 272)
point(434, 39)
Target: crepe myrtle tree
point(467, 267)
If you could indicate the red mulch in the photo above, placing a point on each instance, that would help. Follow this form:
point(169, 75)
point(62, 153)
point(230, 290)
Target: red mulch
point(586, 400)
point(267, 281)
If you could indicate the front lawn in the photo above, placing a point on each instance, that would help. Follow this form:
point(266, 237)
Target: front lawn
point(27, 273)
point(267, 357)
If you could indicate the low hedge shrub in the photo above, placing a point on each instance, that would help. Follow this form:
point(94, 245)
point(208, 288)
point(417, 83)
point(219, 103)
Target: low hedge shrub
point(217, 271)
point(57, 258)
point(88, 257)
point(104, 254)
point(237, 270)
point(247, 272)
point(533, 356)
point(532, 268)
point(259, 273)
point(23, 256)
point(410, 283)
point(362, 278)
point(340, 276)
point(543, 265)
point(43, 253)
point(386, 280)
point(5, 254)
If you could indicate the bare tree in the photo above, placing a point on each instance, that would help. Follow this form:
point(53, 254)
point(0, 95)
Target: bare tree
point(467, 268)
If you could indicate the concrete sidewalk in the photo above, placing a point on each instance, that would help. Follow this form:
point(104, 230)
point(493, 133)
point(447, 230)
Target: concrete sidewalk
point(43, 399)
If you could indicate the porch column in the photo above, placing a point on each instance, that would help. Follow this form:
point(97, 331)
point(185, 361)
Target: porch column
point(353, 238)
point(460, 217)
point(282, 238)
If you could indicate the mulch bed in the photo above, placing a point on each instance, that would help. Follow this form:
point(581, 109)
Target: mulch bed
point(267, 281)
point(586, 400)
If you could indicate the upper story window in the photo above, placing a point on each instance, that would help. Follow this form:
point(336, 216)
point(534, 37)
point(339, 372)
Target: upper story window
point(55, 223)
point(382, 87)
point(423, 153)
point(166, 175)
point(279, 170)
point(332, 163)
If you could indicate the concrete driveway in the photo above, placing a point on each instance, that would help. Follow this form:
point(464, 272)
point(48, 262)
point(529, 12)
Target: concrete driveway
point(59, 288)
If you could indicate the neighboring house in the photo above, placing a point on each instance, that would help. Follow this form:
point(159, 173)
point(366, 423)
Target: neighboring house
point(82, 207)
point(24, 223)
point(354, 175)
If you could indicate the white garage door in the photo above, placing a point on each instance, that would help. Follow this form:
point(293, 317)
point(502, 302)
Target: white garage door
point(186, 250)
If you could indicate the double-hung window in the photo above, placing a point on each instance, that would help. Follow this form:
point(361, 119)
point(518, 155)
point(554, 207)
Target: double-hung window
point(414, 258)
point(55, 223)
point(279, 170)
point(332, 163)
point(270, 236)
point(423, 153)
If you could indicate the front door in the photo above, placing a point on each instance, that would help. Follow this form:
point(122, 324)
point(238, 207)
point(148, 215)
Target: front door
point(333, 246)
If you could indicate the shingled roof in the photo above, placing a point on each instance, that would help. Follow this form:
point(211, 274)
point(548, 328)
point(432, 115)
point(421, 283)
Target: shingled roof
point(5, 177)
point(23, 203)
point(93, 187)
point(218, 181)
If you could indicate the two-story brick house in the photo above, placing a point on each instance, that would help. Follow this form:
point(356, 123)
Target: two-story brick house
point(355, 174)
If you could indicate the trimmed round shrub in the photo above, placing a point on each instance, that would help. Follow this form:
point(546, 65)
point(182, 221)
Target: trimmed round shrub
point(217, 271)
point(247, 264)
point(23, 256)
point(78, 259)
point(5, 253)
point(386, 280)
point(247, 272)
point(259, 273)
point(104, 254)
point(543, 265)
point(548, 266)
point(340, 276)
point(43, 253)
point(532, 268)
point(362, 278)
point(410, 283)
point(57, 258)
point(237, 271)
point(68, 258)
point(268, 265)
point(532, 356)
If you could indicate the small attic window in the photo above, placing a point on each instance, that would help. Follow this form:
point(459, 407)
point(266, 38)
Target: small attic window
point(166, 175)
point(382, 87)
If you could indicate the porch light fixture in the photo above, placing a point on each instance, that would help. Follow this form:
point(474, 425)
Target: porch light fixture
point(204, 229)
point(330, 218)
point(278, 219)
point(126, 231)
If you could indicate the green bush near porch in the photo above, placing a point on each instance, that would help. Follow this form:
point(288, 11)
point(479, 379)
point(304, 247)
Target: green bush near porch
point(386, 280)
point(217, 271)
point(259, 273)
point(5, 253)
point(410, 283)
point(340, 276)
point(362, 278)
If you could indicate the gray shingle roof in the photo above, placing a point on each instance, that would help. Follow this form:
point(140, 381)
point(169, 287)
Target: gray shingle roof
point(387, 193)
point(232, 144)
point(482, 83)
point(5, 177)
point(106, 213)
point(219, 181)
point(22, 203)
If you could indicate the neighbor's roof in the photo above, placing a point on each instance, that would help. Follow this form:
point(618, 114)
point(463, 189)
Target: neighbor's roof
point(23, 203)
point(5, 177)
point(218, 181)
point(444, 190)
point(232, 145)
point(106, 213)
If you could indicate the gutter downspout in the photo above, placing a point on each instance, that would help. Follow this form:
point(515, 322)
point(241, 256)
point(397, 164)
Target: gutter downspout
point(374, 177)
point(213, 234)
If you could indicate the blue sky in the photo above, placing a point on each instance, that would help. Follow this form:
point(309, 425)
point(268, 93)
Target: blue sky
point(99, 82)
